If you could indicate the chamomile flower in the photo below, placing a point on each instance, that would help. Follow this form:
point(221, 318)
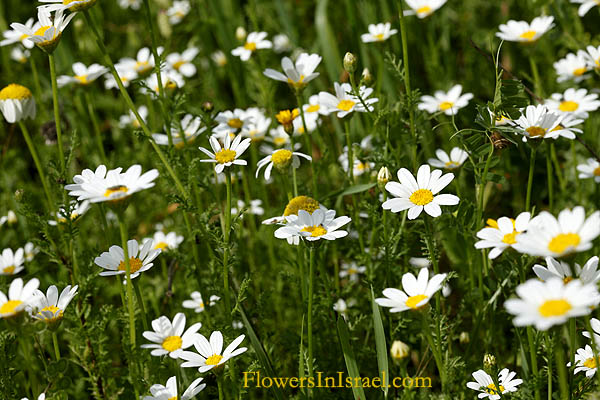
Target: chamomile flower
point(233, 121)
point(255, 208)
point(257, 125)
point(192, 128)
point(219, 58)
point(143, 63)
point(19, 297)
point(423, 8)
point(178, 11)
point(279, 138)
point(83, 75)
point(50, 307)
point(352, 271)
point(297, 74)
point(11, 263)
point(112, 185)
point(586, 5)
point(228, 154)
point(10, 218)
point(522, 31)
point(576, 102)
point(281, 43)
point(72, 213)
point(197, 304)
point(552, 302)
point(129, 119)
point(17, 103)
point(140, 260)
point(359, 168)
point(456, 158)
point(560, 269)
point(20, 55)
point(585, 361)
point(567, 126)
point(126, 76)
point(313, 226)
point(254, 41)
point(211, 352)
point(165, 242)
point(591, 169)
point(49, 30)
point(296, 204)
point(133, 4)
point(487, 388)
point(572, 67)
point(182, 63)
point(502, 233)
point(417, 292)
point(30, 251)
point(169, 337)
point(595, 324)
point(169, 391)
point(537, 122)
point(40, 397)
point(341, 306)
point(170, 79)
point(280, 159)
point(378, 33)
point(593, 56)
point(549, 236)
point(420, 194)
point(15, 36)
point(311, 120)
point(449, 102)
point(345, 102)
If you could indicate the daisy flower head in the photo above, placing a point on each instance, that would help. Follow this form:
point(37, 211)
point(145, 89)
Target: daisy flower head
point(344, 102)
point(311, 120)
point(50, 307)
point(417, 292)
point(233, 121)
point(281, 43)
point(19, 297)
point(585, 361)
point(211, 352)
point(537, 122)
point(30, 251)
point(83, 75)
point(192, 128)
point(20, 55)
point(178, 11)
point(170, 79)
point(228, 154)
point(502, 233)
point(593, 56)
point(17, 103)
point(572, 67)
point(219, 58)
point(352, 271)
point(585, 6)
point(591, 169)
point(297, 74)
point(313, 226)
point(40, 397)
point(378, 33)
point(126, 75)
point(420, 194)
point(72, 213)
point(359, 168)
point(140, 259)
point(10, 218)
point(571, 232)
point(552, 302)
point(576, 102)
point(15, 36)
point(568, 126)
point(456, 158)
point(64, 5)
point(182, 63)
point(143, 63)
point(487, 388)
point(165, 242)
point(423, 8)
point(111, 186)
point(258, 124)
point(560, 269)
point(280, 159)
point(49, 30)
point(254, 41)
point(449, 102)
point(296, 204)
point(169, 391)
point(169, 337)
point(255, 208)
point(11, 263)
point(197, 304)
point(522, 31)
point(133, 4)
point(130, 119)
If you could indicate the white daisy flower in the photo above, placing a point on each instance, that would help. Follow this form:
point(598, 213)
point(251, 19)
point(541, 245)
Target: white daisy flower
point(133, 4)
point(140, 260)
point(585, 361)
point(178, 11)
point(311, 120)
point(595, 323)
point(211, 352)
point(170, 80)
point(576, 102)
point(485, 384)
point(40, 397)
point(254, 41)
point(341, 306)
point(165, 242)
point(297, 74)
point(378, 33)
point(420, 194)
point(100, 186)
point(50, 307)
point(417, 292)
point(553, 302)
point(17, 103)
point(170, 338)
point(549, 236)
point(359, 168)
point(281, 43)
point(11, 263)
point(255, 208)
point(423, 8)
point(586, 5)
point(591, 169)
point(126, 75)
point(449, 102)
point(228, 154)
point(71, 5)
point(296, 204)
point(129, 119)
point(83, 75)
point(49, 30)
point(572, 67)
point(502, 234)
point(197, 304)
point(456, 158)
point(182, 63)
point(20, 55)
point(345, 102)
point(522, 31)
point(19, 297)
point(15, 36)
point(281, 159)
point(593, 56)
point(232, 121)
point(567, 126)
point(169, 391)
point(318, 225)
point(501, 120)
point(30, 251)
point(143, 63)
point(352, 271)
point(537, 122)
point(192, 128)
point(257, 124)
point(10, 218)
point(219, 58)
point(560, 269)
point(419, 262)
point(72, 213)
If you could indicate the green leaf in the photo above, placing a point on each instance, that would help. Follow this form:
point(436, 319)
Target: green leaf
point(351, 366)
point(327, 41)
point(382, 358)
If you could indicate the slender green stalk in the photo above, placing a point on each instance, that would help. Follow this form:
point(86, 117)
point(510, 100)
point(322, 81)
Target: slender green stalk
point(96, 126)
point(140, 300)
point(123, 230)
point(560, 367)
point(226, 250)
point(36, 82)
point(350, 152)
point(534, 364)
point(481, 191)
point(550, 351)
point(557, 168)
point(311, 284)
point(530, 178)
point(56, 348)
point(61, 154)
point(550, 177)
point(220, 386)
point(536, 76)
point(434, 349)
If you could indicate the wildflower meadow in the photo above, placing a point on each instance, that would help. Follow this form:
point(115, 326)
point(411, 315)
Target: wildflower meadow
point(299, 199)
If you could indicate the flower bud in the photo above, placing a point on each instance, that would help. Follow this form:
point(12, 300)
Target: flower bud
point(240, 34)
point(399, 350)
point(350, 62)
point(367, 77)
point(489, 362)
point(464, 338)
point(207, 106)
point(383, 177)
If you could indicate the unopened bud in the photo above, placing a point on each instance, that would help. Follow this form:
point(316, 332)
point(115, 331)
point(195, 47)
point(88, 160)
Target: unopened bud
point(489, 361)
point(367, 77)
point(464, 338)
point(240, 34)
point(207, 106)
point(383, 177)
point(350, 62)
point(399, 350)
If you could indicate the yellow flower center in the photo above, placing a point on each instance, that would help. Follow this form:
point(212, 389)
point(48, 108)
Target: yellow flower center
point(115, 189)
point(250, 46)
point(510, 238)
point(535, 131)
point(58, 313)
point(559, 127)
point(315, 230)
point(9, 270)
point(446, 105)
point(529, 35)
point(379, 36)
point(143, 66)
point(554, 308)
point(281, 157)
point(172, 343)
point(178, 64)
point(590, 363)
point(597, 171)
point(82, 79)
point(134, 265)
point(286, 117)
point(235, 123)
point(346, 105)
point(214, 359)
point(563, 242)
point(172, 398)
point(579, 71)
point(492, 223)
point(279, 141)
point(421, 197)
point(352, 271)
point(313, 108)
point(298, 83)
point(15, 92)
point(452, 164)
point(225, 156)
point(491, 389)
point(424, 10)
point(567, 279)
point(42, 30)
point(9, 307)
point(161, 245)
point(412, 301)
point(568, 106)
point(298, 203)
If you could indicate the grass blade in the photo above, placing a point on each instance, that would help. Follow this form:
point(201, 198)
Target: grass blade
point(382, 358)
point(351, 366)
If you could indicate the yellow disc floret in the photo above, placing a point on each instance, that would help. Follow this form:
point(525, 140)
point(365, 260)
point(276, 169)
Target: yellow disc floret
point(9, 308)
point(563, 242)
point(536, 131)
point(15, 92)
point(225, 156)
point(421, 197)
point(134, 265)
point(315, 230)
point(281, 158)
point(568, 106)
point(172, 343)
point(554, 308)
point(412, 301)
point(298, 203)
point(346, 105)
point(214, 359)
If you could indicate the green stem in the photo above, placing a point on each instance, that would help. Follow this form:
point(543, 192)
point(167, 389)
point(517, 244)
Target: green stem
point(56, 349)
point(550, 352)
point(530, 179)
point(123, 230)
point(36, 81)
point(557, 168)
point(96, 127)
point(533, 355)
point(350, 153)
point(560, 367)
point(220, 386)
point(226, 250)
point(61, 154)
point(311, 283)
point(140, 300)
point(536, 75)
point(550, 177)
point(480, 204)
point(434, 349)
point(407, 85)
